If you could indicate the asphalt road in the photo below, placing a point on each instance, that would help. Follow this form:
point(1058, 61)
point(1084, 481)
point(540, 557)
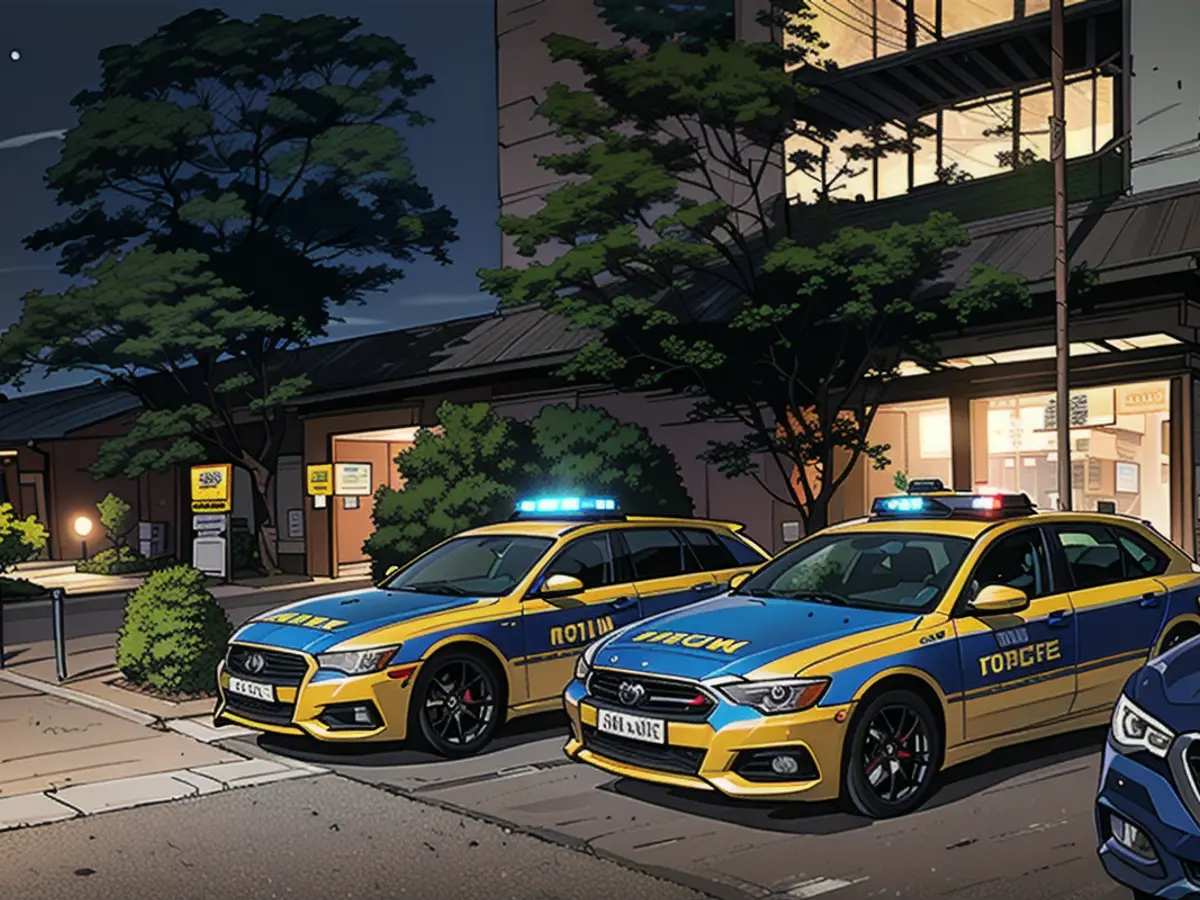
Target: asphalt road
point(1016, 824)
point(321, 837)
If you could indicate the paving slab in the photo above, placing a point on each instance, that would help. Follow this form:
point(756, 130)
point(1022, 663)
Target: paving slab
point(245, 771)
point(126, 793)
point(200, 730)
point(32, 809)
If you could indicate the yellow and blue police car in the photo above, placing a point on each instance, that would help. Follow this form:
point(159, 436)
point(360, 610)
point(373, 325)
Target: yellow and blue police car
point(868, 657)
point(481, 628)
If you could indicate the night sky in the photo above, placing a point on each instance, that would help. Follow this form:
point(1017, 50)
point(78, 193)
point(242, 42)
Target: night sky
point(58, 41)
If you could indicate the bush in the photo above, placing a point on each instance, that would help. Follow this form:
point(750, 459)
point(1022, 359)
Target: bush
point(174, 633)
point(20, 539)
point(466, 475)
point(114, 519)
point(471, 472)
point(243, 550)
point(123, 560)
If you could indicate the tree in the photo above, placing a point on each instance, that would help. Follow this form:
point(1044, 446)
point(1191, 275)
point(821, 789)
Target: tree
point(231, 185)
point(584, 452)
point(114, 519)
point(462, 475)
point(697, 279)
point(471, 470)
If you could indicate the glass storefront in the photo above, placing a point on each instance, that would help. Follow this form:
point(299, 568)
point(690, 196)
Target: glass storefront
point(1119, 449)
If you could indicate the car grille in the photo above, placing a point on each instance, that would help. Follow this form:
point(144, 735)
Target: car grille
point(679, 701)
point(281, 668)
point(259, 710)
point(658, 757)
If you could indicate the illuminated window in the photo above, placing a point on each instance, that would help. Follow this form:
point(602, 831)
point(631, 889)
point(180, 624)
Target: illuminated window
point(975, 139)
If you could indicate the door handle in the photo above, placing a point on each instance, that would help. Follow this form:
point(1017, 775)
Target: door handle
point(624, 603)
point(1149, 601)
point(702, 586)
point(1060, 618)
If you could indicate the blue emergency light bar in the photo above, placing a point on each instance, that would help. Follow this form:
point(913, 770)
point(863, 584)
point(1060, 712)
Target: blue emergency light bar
point(553, 507)
point(946, 505)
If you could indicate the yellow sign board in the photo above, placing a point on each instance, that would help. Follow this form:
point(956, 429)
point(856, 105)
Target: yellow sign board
point(320, 481)
point(212, 488)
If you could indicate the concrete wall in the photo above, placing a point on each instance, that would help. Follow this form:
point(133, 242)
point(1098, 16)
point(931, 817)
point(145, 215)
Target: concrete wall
point(1165, 92)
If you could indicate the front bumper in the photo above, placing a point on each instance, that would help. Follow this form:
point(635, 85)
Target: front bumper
point(323, 704)
point(1143, 793)
point(704, 755)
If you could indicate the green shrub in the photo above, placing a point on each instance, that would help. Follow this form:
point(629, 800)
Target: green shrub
point(243, 549)
point(114, 519)
point(123, 560)
point(470, 473)
point(20, 539)
point(174, 633)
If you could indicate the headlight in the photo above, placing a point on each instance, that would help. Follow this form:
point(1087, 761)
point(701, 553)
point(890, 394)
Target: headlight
point(357, 662)
point(583, 665)
point(779, 696)
point(1134, 730)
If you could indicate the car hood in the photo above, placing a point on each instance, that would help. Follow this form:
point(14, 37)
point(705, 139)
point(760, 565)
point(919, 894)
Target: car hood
point(317, 624)
point(734, 634)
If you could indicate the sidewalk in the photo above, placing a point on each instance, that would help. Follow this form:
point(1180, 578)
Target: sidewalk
point(69, 752)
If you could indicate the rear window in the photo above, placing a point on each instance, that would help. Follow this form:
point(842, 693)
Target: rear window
point(707, 553)
point(654, 552)
point(743, 553)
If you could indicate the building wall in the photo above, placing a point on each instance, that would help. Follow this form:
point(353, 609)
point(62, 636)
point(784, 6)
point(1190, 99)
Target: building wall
point(1165, 92)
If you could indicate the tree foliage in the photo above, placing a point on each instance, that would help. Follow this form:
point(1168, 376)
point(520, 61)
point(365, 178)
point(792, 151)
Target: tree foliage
point(674, 246)
point(471, 470)
point(231, 184)
point(20, 539)
point(114, 519)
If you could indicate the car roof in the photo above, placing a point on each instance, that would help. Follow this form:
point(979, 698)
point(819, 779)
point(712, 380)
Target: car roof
point(555, 528)
point(971, 528)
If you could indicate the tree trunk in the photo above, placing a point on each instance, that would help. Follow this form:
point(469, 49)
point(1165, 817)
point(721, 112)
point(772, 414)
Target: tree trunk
point(266, 531)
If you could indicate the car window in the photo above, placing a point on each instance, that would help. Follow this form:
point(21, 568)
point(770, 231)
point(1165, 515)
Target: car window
point(1018, 561)
point(1141, 556)
point(743, 553)
point(1093, 555)
point(901, 571)
point(588, 559)
point(707, 553)
point(484, 566)
point(655, 553)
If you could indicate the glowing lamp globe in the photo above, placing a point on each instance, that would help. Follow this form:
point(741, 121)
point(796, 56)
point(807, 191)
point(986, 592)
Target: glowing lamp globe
point(83, 526)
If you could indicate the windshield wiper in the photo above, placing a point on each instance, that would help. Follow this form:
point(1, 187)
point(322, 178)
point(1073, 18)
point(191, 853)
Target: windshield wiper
point(819, 596)
point(435, 587)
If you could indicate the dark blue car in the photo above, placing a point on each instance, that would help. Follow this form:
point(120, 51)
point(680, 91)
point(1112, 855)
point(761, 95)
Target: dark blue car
point(1148, 809)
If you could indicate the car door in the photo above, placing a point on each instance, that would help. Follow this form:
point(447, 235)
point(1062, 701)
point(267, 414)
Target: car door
point(1120, 605)
point(721, 559)
point(556, 629)
point(1018, 668)
point(666, 574)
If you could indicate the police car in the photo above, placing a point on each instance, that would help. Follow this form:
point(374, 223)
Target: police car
point(483, 627)
point(1148, 808)
point(875, 653)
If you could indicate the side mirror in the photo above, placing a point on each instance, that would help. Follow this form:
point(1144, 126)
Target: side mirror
point(996, 599)
point(560, 586)
point(737, 580)
point(391, 570)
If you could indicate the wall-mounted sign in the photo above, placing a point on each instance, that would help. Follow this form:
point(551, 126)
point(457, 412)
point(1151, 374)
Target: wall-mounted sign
point(212, 488)
point(352, 480)
point(320, 480)
point(295, 524)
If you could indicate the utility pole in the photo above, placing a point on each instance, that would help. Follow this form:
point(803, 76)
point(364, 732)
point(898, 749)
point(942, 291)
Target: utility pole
point(1058, 156)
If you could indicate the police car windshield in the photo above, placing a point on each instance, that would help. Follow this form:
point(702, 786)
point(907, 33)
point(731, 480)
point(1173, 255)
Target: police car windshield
point(904, 572)
point(483, 566)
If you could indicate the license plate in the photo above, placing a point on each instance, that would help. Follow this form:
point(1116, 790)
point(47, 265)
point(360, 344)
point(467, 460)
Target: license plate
point(252, 689)
point(638, 728)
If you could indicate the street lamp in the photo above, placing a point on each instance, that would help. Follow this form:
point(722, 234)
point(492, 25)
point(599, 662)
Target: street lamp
point(83, 527)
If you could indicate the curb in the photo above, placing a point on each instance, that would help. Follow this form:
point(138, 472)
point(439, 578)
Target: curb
point(79, 697)
point(29, 810)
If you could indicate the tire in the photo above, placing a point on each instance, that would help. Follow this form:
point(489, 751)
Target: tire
point(897, 734)
point(1178, 636)
point(457, 704)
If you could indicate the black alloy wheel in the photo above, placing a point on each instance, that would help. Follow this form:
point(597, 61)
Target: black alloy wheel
point(457, 703)
point(894, 753)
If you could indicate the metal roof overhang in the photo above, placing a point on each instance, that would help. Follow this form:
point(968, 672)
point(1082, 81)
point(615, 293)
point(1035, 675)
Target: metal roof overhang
point(904, 87)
